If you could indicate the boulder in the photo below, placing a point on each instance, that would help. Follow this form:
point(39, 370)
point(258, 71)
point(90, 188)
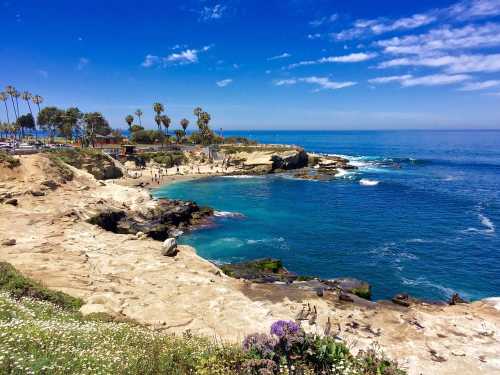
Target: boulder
point(350, 285)
point(9, 242)
point(456, 299)
point(402, 299)
point(37, 193)
point(169, 247)
point(289, 161)
point(259, 271)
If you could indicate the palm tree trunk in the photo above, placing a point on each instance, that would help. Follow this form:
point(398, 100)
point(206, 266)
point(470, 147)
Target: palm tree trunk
point(34, 121)
point(7, 112)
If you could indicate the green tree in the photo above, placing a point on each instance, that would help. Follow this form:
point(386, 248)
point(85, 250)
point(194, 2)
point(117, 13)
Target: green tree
point(129, 120)
point(136, 128)
point(184, 125)
point(139, 114)
point(166, 121)
point(179, 134)
point(69, 124)
point(26, 122)
point(11, 91)
point(50, 119)
point(95, 123)
point(26, 96)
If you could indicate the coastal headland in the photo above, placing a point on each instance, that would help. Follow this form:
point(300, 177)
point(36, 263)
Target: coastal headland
point(93, 230)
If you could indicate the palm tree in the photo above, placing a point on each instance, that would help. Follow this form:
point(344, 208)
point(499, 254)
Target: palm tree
point(37, 99)
point(11, 90)
point(26, 96)
point(165, 120)
point(158, 108)
point(158, 121)
point(139, 114)
point(184, 124)
point(129, 120)
point(3, 98)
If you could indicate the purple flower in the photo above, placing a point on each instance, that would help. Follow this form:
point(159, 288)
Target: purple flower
point(261, 344)
point(282, 328)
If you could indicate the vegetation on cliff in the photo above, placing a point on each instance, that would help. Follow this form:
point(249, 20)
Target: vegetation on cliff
point(42, 332)
point(8, 160)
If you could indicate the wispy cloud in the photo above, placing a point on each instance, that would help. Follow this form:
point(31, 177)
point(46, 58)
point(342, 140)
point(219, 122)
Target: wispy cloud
point(186, 57)
point(209, 13)
point(324, 20)
point(476, 86)
point(322, 83)
point(82, 63)
point(43, 73)
point(224, 82)
point(429, 80)
point(444, 38)
point(451, 64)
point(351, 58)
point(460, 11)
point(284, 55)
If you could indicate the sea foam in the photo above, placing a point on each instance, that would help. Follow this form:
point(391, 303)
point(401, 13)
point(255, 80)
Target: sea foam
point(368, 182)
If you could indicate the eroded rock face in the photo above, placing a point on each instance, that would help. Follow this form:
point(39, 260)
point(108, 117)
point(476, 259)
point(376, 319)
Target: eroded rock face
point(350, 285)
point(288, 162)
point(160, 222)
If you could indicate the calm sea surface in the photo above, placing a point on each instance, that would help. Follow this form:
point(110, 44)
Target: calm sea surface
point(428, 228)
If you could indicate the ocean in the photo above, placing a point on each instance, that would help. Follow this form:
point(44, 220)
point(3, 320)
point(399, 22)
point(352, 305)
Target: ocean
point(420, 215)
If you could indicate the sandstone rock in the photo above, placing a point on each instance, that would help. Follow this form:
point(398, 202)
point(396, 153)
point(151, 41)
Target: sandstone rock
point(37, 193)
point(345, 297)
point(260, 271)
point(350, 285)
point(9, 242)
point(402, 300)
point(169, 247)
point(51, 184)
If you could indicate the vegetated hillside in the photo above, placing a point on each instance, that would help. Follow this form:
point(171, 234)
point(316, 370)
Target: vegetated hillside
point(42, 332)
point(95, 162)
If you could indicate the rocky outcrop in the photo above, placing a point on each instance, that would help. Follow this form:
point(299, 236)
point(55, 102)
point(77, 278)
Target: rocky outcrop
point(289, 161)
point(160, 222)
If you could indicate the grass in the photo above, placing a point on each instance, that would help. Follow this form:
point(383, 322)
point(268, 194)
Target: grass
point(8, 160)
point(42, 332)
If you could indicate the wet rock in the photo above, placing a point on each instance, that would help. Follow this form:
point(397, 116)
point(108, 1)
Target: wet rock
point(402, 300)
point(260, 271)
point(350, 285)
point(9, 242)
point(456, 299)
point(169, 247)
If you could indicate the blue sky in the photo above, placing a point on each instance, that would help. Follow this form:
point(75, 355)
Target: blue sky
point(270, 64)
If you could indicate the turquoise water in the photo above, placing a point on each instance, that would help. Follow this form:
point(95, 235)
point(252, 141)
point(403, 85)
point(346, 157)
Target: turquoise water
point(428, 228)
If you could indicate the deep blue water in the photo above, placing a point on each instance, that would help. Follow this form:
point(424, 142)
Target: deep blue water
point(428, 228)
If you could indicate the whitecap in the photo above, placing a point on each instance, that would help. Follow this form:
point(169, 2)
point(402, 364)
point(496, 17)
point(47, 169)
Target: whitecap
point(423, 282)
point(368, 182)
point(486, 221)
point(228, 214)
point(240, 176)
point(265, 240)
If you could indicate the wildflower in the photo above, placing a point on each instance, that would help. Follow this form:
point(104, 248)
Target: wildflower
point(281, 328)
point(261, 344)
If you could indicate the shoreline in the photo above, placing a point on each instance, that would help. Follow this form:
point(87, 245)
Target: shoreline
point(127, 276)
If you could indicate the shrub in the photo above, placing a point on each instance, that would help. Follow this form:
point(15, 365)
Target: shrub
point(8, 160)
point(165, 159)
point(147, 136)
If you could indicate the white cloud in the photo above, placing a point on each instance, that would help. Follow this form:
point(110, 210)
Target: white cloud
point(284, 55)
point(389, 79)
point(212, 13)
point(461, 11)
point(224, 82)
point(476, 86)
point(324, 20)
point(451, 64)
point(324, 83)
point(82, 63)
point(351, 58)
point(444, 38)
point(150, 60)
point(429, 80)
point(188, 56)
point(314, 36)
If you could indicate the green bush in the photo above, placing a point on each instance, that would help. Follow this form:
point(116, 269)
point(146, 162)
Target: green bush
point(8, 160)
point(148, 136)
point(166, 159)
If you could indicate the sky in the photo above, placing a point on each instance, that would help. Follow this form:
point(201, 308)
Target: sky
point(262, 64)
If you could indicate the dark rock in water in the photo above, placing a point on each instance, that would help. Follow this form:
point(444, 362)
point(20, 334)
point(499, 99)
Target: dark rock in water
point(350, 285)
point(261, 271)
point(159, 223)
point(295, 161)
point(402, 299)
point(456, 299)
